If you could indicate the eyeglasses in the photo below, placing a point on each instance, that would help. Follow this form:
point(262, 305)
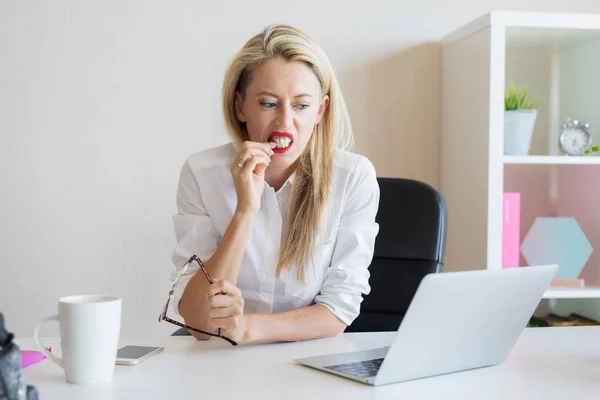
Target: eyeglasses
point(163, 315)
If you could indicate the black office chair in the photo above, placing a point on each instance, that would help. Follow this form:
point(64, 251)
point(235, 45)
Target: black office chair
point(411, 242)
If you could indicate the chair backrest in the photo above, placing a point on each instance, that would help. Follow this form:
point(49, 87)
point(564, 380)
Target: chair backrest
point(412, 220)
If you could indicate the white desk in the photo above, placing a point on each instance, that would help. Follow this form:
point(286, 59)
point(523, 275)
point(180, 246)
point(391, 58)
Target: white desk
point(547, 363)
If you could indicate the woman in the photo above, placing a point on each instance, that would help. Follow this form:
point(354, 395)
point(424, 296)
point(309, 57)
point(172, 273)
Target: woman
point(283, 218)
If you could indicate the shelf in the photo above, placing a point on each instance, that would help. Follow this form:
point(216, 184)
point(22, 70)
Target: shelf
point(549, 38)
point(556, 160)
point(556, 292)
point(532, 28)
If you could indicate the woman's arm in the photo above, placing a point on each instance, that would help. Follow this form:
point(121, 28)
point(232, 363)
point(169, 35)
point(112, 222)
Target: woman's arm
point(223, 265)
point(312, 322)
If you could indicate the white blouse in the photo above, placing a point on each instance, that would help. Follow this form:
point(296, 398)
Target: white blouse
point(206, 201)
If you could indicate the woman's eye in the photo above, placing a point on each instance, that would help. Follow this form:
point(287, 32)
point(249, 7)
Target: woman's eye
point(303, 106)
point(268, 104)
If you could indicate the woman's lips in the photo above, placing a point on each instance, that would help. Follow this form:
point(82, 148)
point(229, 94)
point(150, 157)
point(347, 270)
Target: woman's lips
point(283, 140)
point(277, 150)
point(281, 134)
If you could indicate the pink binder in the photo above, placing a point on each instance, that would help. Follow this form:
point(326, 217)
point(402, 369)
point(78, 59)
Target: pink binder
point(511, 229)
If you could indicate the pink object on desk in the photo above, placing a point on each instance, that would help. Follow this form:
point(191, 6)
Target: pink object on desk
point(29, 357)
point(511, 229)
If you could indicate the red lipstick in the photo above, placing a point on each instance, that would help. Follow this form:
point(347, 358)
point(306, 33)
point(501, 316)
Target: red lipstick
point(282, 134)
point(289, 135)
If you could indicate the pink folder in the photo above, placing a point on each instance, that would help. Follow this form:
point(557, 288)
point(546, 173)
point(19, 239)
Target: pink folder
point(511, 229)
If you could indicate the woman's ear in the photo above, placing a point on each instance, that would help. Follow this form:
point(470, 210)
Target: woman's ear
point(322, 107)
point(239, 102)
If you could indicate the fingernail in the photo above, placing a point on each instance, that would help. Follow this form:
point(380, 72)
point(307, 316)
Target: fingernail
point(272, 145)
point(271, 152)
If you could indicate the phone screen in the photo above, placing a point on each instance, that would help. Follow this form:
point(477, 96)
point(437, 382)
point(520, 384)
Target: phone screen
point(135, 351)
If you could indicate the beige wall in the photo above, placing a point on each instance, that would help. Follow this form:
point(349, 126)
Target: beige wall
point(101, 102)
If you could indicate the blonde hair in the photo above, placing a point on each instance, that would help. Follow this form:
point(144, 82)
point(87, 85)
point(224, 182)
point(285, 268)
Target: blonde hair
point(314, 169)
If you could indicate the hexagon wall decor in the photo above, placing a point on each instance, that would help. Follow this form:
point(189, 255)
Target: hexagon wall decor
point(557, 240)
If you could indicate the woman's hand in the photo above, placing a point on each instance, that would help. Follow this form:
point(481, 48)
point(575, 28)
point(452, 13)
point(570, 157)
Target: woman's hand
point(227, 310)
point(249, 179)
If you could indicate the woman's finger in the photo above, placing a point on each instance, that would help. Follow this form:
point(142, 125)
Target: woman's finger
point(224, 300)
point(252, 163)
point(223, 312)
point(244, 156)
point(261, 169)
point(264, 146)
point(255, 149)
point(223, 287)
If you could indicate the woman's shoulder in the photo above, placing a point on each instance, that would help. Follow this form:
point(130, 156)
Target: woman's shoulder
point(353, 164)
point(217, 156)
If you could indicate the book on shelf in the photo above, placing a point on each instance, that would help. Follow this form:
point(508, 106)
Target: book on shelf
point(511, 229)
point(552, 319)
point(577, 283)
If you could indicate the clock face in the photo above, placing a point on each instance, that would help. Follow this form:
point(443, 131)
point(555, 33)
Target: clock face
point(574, 141)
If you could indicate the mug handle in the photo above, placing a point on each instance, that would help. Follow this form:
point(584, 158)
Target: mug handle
point(57, 360)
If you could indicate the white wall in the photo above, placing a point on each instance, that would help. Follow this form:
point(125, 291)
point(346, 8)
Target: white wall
point(101, 102)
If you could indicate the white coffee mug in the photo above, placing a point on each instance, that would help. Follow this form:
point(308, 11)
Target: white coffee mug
point(90, 326)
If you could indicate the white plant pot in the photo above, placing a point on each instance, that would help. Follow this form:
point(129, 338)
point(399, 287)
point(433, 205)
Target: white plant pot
point(518, 131)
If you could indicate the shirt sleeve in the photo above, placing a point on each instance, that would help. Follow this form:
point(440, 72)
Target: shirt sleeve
point(347, 277)
point(194, 231)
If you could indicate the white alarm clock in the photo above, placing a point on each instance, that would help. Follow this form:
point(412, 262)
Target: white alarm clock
point(575, 137)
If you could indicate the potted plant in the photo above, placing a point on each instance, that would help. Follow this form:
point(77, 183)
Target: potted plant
point(520, 114)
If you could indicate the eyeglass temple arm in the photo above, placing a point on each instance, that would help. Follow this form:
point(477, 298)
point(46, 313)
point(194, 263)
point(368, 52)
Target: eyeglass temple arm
point(200, 331)
point(164, 313)
point(163, 316)
point(201, 264)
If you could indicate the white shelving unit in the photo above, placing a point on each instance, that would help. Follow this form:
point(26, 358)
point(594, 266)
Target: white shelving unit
point(592, 292)
point(552, 160)
point(557, 56)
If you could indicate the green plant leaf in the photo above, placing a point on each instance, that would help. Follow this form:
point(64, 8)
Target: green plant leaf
point(515, 99)
point(594, 149)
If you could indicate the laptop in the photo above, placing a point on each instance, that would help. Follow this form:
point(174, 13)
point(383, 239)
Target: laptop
point(456, 321)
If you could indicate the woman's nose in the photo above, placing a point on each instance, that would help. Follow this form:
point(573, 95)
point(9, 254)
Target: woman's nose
point(285, 117)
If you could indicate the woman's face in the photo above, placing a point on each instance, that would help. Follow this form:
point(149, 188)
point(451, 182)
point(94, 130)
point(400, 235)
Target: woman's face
point(282, 104)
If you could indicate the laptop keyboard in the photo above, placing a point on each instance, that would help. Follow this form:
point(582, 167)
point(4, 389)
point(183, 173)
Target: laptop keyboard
point(362, 369)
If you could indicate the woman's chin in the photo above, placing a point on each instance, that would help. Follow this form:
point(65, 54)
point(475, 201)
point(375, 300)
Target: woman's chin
point(281, 162)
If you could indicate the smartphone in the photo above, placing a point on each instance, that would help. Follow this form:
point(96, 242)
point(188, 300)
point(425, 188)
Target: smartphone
point(131, 355)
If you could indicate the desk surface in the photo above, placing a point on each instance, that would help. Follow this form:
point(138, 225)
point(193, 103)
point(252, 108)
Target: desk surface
point(547, 363)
